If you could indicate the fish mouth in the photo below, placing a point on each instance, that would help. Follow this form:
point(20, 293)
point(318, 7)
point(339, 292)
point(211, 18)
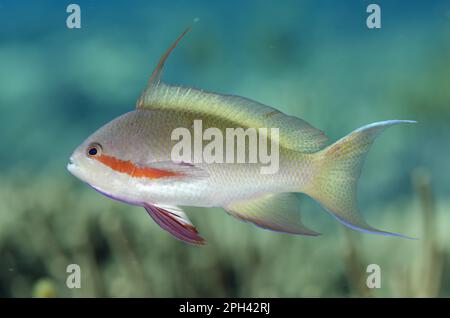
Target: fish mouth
point(71, 166)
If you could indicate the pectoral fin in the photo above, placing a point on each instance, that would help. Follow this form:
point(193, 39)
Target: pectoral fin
point(178, 169)
point(277, 212)
point(174, 220)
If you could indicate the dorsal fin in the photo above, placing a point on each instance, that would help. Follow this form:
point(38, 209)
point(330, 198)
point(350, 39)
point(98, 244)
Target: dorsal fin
point(295, 133)
point(155, 78)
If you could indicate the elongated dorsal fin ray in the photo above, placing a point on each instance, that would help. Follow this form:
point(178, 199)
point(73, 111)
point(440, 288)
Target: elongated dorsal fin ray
point(155, 78)
point(277, 212)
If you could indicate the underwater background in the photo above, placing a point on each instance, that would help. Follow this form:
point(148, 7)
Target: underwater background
point(313, 59)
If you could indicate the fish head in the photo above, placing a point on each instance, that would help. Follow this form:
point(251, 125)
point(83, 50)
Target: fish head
point(100, 159)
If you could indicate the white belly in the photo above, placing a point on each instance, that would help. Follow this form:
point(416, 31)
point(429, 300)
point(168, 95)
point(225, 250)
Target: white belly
point(225, 184)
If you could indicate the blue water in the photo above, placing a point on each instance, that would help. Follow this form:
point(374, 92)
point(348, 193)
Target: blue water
point(314, 59)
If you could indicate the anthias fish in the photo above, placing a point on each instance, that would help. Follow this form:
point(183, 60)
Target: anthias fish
point(130, 159)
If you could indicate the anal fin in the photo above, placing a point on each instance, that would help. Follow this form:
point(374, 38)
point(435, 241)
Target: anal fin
point(278, 212)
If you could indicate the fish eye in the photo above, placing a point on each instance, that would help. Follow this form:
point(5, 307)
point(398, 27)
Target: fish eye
point(94, 150)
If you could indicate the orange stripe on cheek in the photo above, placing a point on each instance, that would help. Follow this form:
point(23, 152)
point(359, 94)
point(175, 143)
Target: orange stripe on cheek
point(128, 167)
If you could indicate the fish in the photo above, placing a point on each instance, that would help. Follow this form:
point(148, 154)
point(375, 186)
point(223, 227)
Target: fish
point(130, 159)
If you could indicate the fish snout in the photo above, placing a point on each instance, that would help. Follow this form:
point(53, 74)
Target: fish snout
point(71, 165)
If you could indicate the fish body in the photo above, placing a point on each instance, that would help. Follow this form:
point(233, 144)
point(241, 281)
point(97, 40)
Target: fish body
point(132, 139)
point(131, 159)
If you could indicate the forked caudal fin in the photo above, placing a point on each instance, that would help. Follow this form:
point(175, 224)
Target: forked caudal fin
point(338, 168)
